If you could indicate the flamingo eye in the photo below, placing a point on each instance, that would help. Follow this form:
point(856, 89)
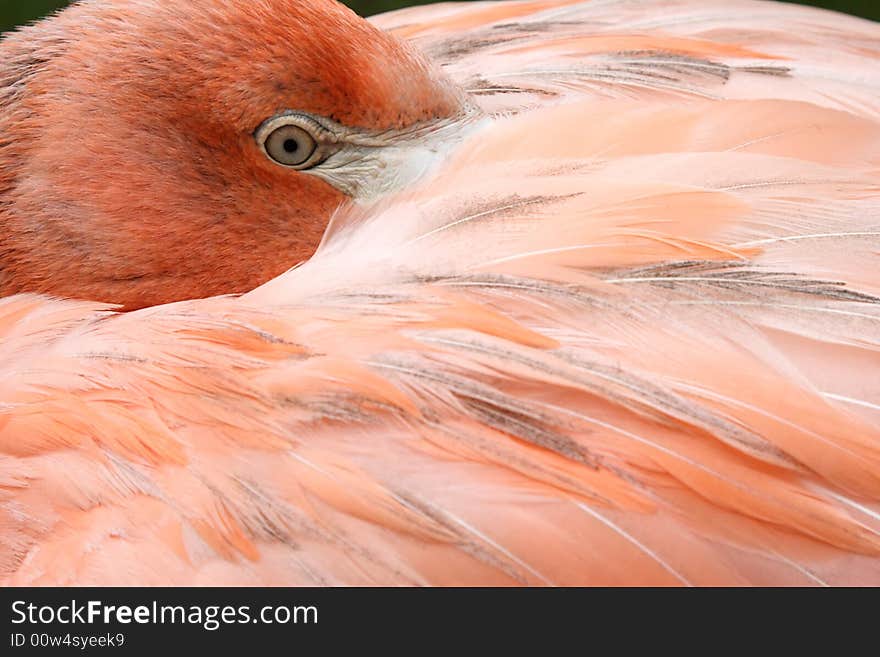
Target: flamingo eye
point(291, 146)
point(295, 140)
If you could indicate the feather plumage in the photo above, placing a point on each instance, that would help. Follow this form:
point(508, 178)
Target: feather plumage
point(629, 334)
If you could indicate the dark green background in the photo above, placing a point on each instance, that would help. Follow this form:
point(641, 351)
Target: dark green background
point(15, 12)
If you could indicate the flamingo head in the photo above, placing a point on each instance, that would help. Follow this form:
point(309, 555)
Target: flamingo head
point(153, 151)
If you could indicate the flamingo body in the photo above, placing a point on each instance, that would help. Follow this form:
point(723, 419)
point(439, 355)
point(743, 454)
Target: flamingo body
point(627, 333)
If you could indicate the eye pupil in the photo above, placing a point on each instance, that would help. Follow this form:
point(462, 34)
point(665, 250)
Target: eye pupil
point(291, 145)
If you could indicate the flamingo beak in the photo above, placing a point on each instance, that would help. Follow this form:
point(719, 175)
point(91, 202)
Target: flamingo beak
point(372, 165)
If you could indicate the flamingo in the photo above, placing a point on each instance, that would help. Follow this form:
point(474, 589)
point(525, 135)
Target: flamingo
point(553, 292)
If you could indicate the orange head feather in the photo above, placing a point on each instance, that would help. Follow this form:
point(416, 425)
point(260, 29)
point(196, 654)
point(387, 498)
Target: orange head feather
point(132, 166)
